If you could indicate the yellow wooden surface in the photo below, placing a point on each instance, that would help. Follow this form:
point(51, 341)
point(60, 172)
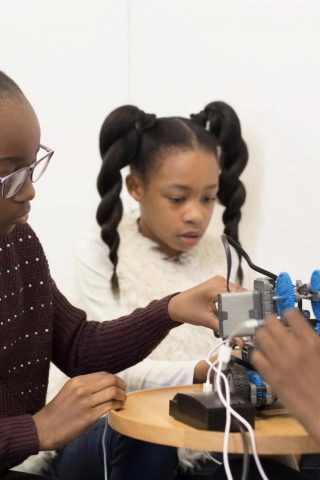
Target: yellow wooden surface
point(146, 417)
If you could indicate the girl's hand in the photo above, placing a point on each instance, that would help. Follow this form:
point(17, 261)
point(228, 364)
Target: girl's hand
point(200, 372)
point(202, 367)
point(79, 404)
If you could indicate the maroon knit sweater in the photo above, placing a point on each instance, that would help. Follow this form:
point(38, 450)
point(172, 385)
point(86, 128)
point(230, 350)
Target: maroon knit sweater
point(37, 324)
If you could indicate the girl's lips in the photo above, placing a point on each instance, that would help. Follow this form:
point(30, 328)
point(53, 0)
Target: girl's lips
point(190, 241)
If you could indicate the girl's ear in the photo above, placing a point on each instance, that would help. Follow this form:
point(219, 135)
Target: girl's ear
point(134, 186)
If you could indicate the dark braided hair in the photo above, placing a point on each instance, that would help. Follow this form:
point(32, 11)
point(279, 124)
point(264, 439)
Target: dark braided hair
point(221, 120)
point(129, 136)
point(120, 139)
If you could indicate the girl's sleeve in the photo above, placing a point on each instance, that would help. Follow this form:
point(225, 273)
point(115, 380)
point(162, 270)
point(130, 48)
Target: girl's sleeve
point(93, 273)
point(18, 440)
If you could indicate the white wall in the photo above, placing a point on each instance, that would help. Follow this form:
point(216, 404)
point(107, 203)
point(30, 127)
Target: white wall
point(76, 60)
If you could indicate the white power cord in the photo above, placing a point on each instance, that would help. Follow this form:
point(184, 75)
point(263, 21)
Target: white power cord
point(104, 449)
point(226, 403)
point(209, 456)
point(222, 361)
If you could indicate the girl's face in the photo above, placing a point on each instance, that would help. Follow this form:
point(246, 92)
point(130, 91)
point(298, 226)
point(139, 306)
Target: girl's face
point(177, 202)
point(19, 143)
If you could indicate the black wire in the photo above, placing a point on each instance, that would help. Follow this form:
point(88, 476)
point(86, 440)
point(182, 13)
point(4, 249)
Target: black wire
point(242, 362)
point(246, 457)
point(229, 258)
point(240, 251)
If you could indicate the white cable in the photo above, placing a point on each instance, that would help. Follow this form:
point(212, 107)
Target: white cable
point(230, 410)
point(228, 415)
point(213, 363)
point(104, 449)
point(228, 423)
point(216, 348)
point(208, 456)
point(222, 360)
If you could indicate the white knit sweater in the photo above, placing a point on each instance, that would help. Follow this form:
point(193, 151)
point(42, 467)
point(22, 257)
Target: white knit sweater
point(145, 274)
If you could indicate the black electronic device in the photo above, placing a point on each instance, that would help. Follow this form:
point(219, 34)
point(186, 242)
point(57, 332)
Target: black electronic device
point(205, 411)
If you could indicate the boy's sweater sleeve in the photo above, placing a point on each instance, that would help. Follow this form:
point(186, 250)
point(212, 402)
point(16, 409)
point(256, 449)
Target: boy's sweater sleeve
point(81, 346)
point(18, 440)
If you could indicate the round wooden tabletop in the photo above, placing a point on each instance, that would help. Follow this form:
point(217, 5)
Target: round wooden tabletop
point(146, 417)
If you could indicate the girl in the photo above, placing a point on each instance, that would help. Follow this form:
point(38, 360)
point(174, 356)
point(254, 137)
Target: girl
point(179, 168)
point(176, 178)
point(38, 324)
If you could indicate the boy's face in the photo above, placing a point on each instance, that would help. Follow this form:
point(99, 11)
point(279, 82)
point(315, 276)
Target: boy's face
point(177, 203)
point(19, 143)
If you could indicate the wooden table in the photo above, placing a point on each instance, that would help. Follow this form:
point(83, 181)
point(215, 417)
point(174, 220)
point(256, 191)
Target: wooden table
point(146, 417)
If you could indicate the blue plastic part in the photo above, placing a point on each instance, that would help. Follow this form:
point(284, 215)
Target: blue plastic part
point(315, 285)
point(257, 380)
point(285, 293)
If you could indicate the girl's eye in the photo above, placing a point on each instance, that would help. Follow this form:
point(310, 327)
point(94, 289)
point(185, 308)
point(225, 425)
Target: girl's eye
point(176, 200)
point(209, 199)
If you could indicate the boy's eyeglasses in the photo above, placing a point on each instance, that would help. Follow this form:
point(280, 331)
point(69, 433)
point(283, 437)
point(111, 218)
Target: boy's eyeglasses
point(11, 184)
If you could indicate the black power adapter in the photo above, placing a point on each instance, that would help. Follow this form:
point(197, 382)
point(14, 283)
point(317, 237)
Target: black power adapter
point(204, 410)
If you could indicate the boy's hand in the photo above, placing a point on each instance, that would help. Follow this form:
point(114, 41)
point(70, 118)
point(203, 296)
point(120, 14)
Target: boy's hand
point(197, 305)
point(289, 360)
point(79, 404)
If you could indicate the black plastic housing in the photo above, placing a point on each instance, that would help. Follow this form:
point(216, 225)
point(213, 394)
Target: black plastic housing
point(205, 411)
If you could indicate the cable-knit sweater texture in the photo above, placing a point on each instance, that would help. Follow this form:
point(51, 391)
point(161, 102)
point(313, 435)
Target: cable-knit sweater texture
point(145, 273)
point(38, 325)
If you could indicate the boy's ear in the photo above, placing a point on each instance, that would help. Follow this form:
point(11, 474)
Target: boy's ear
point(134, 186)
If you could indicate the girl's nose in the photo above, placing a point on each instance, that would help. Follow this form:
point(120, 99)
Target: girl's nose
point(193, 214)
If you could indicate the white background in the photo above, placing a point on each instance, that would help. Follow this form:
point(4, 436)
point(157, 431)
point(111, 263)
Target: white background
point(76, 60)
